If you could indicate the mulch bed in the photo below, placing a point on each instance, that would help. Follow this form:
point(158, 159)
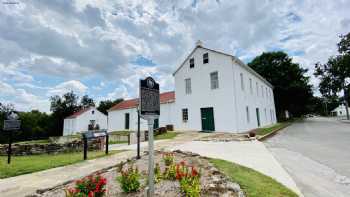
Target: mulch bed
point(213, 182)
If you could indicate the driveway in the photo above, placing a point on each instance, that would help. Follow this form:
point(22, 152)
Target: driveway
point(316, 154)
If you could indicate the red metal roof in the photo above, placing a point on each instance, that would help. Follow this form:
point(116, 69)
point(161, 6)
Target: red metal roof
point(78, 113)
point(166, 97)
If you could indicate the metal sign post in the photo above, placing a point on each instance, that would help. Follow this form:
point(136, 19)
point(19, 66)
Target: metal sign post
point(11, 124)
point(150, 110)
point(138, 135)
point(91, 135)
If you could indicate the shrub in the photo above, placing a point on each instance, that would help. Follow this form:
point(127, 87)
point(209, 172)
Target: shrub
point(168, 159)
point(170, 127)
point(170, 172)
point(157, 173)
point(92, 186)
point(130, 179)
point(189, 179)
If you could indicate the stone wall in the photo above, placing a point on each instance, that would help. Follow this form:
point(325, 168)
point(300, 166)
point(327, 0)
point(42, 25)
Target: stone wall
point(50, 148)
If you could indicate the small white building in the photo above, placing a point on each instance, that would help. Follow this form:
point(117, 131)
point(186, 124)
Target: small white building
point(80, 121)
point(214, 91)
point(123, 116)
point(339, 111)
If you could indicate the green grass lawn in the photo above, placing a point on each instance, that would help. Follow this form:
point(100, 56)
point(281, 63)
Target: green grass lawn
point(253, 183)
point(167, 135)
point(118, 142)
point(266, 130)
point(44, 141)
point(33, 163)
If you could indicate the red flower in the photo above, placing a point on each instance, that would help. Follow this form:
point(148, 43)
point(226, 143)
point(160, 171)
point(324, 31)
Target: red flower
point(91, 194)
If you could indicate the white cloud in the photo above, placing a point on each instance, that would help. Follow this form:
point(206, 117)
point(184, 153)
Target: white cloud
point(72, 85)
point(78, 40)
point(22, 100)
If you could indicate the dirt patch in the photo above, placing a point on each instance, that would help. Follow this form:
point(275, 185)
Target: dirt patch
point(225, 137)
point(213, 182)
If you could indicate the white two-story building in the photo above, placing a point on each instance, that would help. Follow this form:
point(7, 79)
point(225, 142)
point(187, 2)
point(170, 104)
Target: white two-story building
point(214, 91)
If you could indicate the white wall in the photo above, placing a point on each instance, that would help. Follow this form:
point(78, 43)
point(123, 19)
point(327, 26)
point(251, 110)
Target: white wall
point(221, 99)
point(229, 100)
point(81, 122)
point(116, 118)
point(253, 97)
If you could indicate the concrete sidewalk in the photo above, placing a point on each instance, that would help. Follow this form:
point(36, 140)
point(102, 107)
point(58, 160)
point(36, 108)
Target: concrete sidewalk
point(252, 154)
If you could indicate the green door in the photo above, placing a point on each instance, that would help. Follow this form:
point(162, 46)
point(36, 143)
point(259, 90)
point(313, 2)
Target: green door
point(258, 116)
point(127, 121)
point(156, 124)
point(207, 116)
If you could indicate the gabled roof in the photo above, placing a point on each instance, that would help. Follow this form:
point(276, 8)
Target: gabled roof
point(166, 97)
point(78, 113)
point(235, 59)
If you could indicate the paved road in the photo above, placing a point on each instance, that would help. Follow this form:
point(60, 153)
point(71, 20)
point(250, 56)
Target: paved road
point(316, 153)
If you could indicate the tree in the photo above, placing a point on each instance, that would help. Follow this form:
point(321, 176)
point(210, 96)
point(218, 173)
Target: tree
point(107, 104)
point(87, 102)
point(292, 91)
point(335, 74)
point(62, 107)
point(4, 110)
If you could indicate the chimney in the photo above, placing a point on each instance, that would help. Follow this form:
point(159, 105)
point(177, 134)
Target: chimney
point(199, 43)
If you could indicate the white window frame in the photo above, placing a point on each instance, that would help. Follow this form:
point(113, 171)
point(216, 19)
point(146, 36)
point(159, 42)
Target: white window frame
point(251, 85)
point(247, 113)
point(242, 81)
point(188, 88)
point(214, 82)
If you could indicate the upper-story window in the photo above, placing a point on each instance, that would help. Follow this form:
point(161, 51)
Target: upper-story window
point(188, 86)
point(262, 91)
point(214, 80)
point(251, 85)
point(192, 63)
point(205, 58)
point(266, 92)
point(242, 81)
point(92, 112)
point(257, 89)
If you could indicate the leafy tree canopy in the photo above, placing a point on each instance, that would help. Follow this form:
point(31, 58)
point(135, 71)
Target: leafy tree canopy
point(292, 91)
point(107, 104)
point(86, 102)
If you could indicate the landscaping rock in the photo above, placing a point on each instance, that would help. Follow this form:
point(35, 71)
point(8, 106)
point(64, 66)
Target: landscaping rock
point(213, 182)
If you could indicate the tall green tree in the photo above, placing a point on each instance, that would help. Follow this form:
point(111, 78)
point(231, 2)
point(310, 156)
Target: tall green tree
point(292, 91)
point(86, 102)
point(335, 74)
point(107, 104)
point(62, 107)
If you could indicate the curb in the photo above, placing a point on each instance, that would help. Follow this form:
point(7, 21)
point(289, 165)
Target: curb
point(274, 132)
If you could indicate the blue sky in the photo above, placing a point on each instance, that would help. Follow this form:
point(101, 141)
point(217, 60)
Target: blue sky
point(102, 48)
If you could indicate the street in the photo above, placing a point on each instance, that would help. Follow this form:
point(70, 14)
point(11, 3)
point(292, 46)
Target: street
point(315, 152)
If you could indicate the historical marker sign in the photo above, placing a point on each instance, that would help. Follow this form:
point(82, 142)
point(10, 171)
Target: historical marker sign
point(149, 97)
point(12, 123)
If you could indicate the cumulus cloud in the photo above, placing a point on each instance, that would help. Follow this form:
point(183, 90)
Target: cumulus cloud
point(68, 86)
point(78, 40)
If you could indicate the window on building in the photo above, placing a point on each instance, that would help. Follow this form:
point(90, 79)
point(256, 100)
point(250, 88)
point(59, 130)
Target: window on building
point(188, 86)
point(93, 112)
point(247, 113)
point(242, 81)
point(266, 92)
point(192, 63)
point(214, 80)
point(257, 89)
point(265, 115)
point(184, 115)
point(205, 58)
point(251, 85)
point(262, 91)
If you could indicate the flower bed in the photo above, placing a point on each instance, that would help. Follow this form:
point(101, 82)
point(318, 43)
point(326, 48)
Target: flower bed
point(176, 174)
